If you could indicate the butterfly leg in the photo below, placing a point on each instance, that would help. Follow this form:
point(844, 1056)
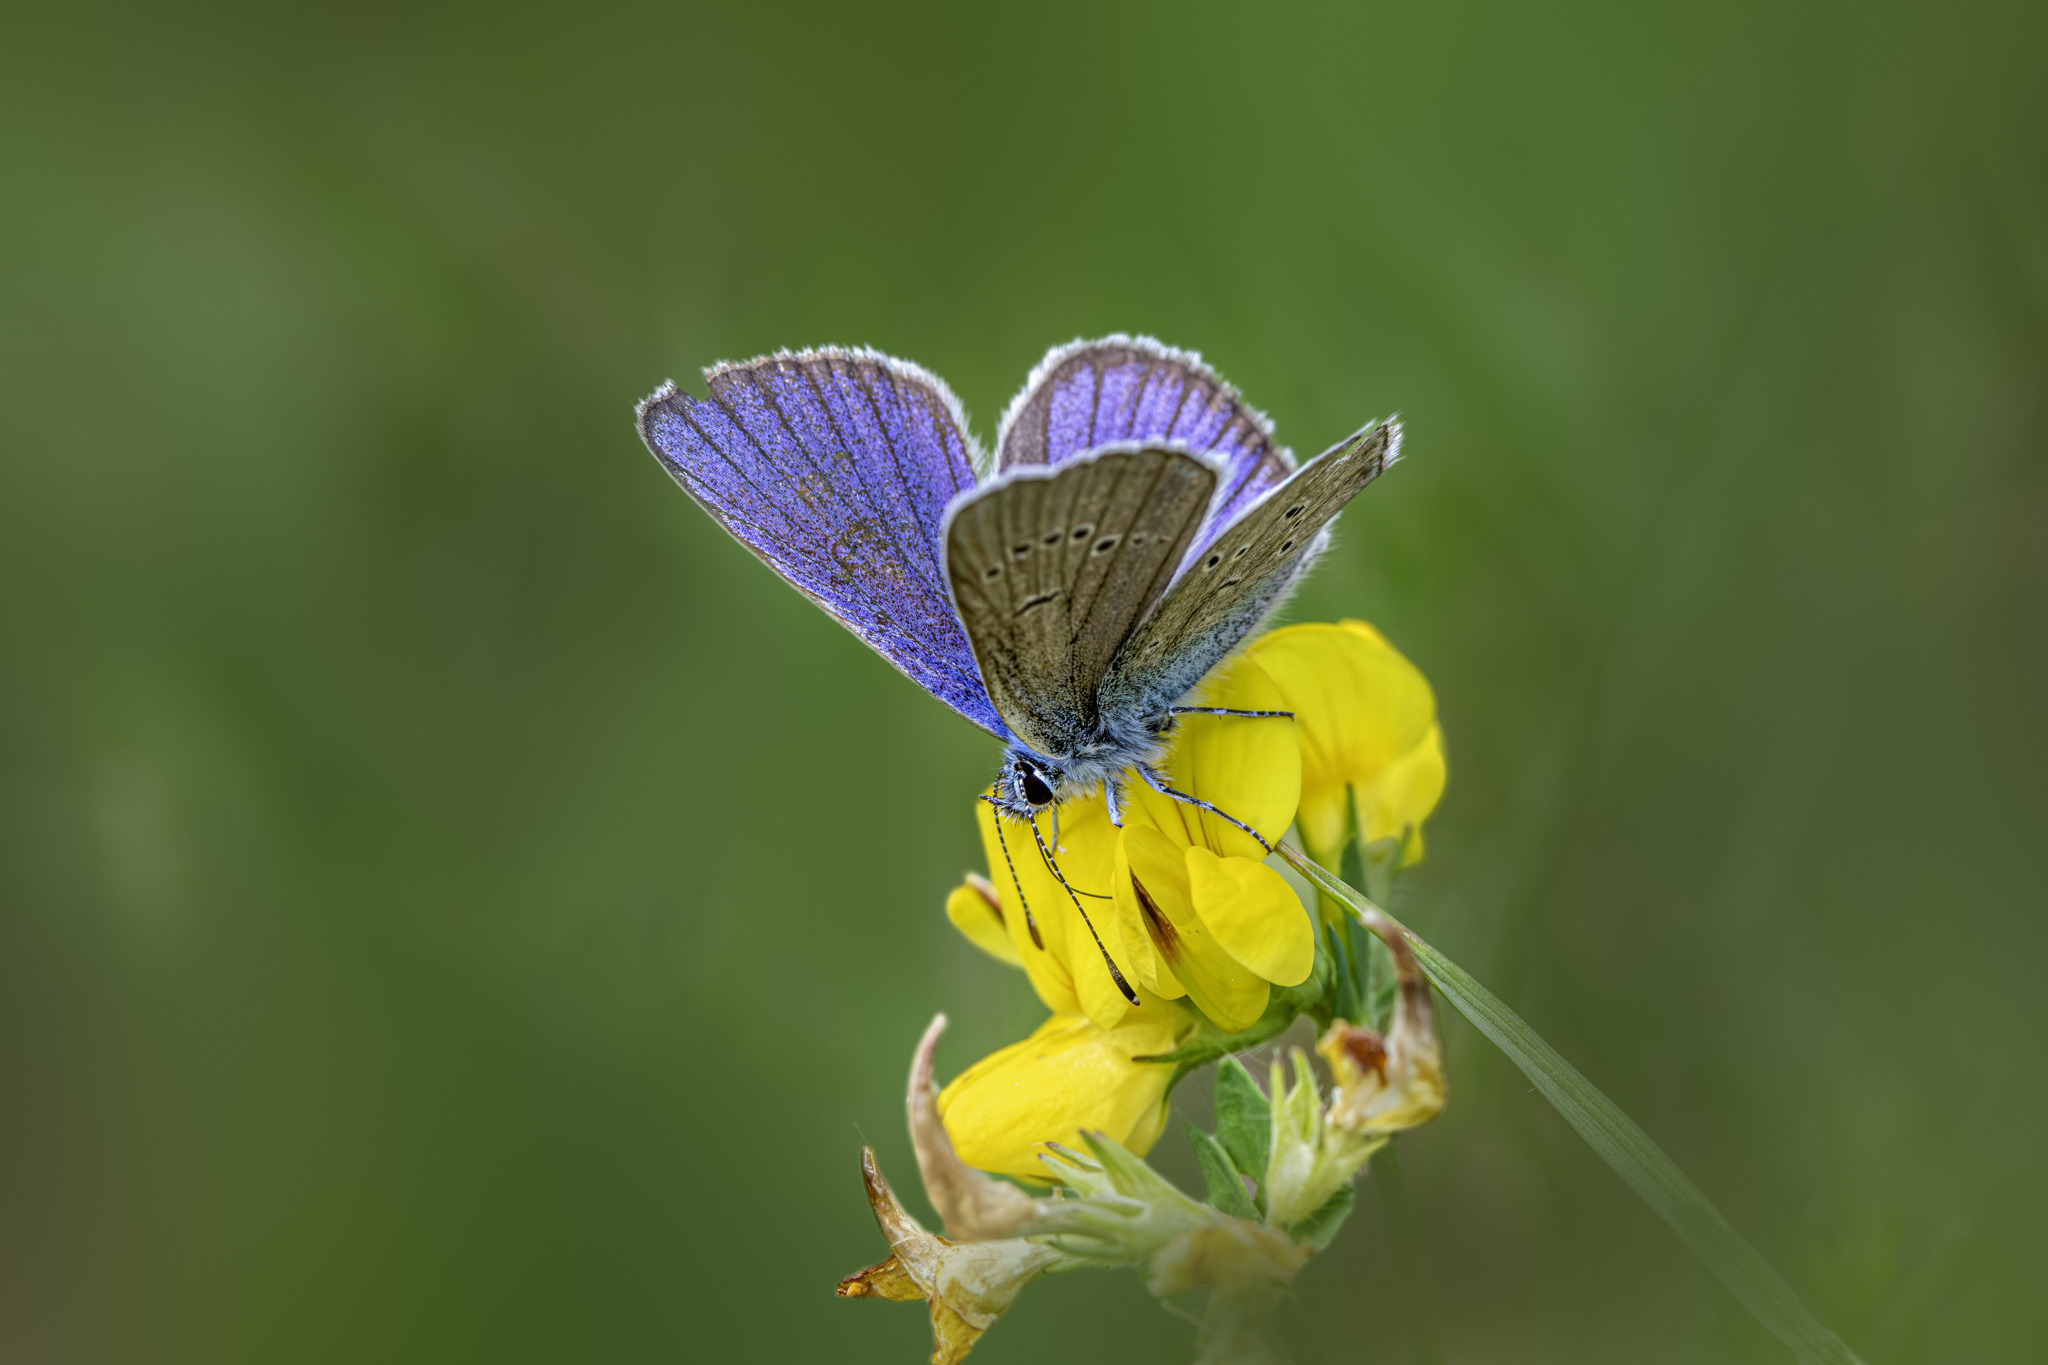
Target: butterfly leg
point(1113, 797)
point(1158, 784)
point(1228, 711)
point(1004, 844)
point(1060, 877)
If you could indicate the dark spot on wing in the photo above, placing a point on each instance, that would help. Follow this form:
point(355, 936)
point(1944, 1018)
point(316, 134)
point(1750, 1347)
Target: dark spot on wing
point(1082, 533)
point(1038, 601)
point(1106, 544)
point(1053, 537)
point(992, 571)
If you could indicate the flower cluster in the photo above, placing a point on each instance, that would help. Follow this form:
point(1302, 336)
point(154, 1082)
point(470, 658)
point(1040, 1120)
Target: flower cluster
point(1324, 730)
point(1200, 925)
point(1278, 1174)
point(1220, 953)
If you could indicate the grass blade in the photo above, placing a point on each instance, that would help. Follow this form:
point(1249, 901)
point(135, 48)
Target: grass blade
point(1640, 1162)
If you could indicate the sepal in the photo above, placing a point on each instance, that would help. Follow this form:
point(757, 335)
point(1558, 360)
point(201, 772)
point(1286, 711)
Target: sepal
point(1227, 1184)
point(1244, 1123)
point(967, 1287)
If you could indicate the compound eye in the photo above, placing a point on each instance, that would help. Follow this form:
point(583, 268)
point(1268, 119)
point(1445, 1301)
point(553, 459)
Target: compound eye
point(1032, 786)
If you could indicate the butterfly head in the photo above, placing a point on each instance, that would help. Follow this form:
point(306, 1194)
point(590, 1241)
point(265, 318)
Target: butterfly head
point(1028, 785)
point(1031, 787)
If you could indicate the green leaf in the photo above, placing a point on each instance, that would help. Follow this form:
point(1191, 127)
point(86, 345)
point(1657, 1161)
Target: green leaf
point(1244, 1122)
point(1362, 981)
point(1344, 1000)
point(1624, 1146)
point(1321, 1226)
point(1226, 1186)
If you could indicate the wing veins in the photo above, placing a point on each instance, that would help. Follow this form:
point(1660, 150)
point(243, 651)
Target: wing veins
point(931, 533)
point(864, 382)
point(846, 447)
point(851, 587)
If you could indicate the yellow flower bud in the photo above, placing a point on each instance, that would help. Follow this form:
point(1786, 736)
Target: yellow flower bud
point(1366, 720)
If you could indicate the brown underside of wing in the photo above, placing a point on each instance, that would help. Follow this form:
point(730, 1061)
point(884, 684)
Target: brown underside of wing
point(1224, 594)
point(1050, 575)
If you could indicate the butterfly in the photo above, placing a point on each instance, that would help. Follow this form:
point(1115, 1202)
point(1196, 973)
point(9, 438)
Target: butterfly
point(1137, 523)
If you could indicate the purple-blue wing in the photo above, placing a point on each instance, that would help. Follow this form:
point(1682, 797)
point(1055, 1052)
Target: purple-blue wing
point(1090, 393)
point(835, 467)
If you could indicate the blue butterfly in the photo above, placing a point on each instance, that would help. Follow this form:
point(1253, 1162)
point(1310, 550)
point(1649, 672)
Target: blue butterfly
point(1138, 524)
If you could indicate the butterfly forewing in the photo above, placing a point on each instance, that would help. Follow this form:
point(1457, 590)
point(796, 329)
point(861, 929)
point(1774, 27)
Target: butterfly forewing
point(835, 467)
point(1052, 569)
point(1240, 576)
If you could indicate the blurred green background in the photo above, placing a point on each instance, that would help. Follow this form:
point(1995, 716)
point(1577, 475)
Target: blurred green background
point(456, 905)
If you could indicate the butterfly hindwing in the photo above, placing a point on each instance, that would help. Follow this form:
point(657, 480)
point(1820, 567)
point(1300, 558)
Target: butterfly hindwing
point(1122, 388)
point(1241, 576)
point(1052, 568)
point(835, 468)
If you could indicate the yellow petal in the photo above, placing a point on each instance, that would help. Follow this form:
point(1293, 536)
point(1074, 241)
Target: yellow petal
point(1086, 855)
point(1101, 1001)
point(1404, 795)
point(1250, 768)
point(1254, 915)
point(976, 911)
point(1150, 968)
point(1367, 724)
point(1324, 820)
point(1160, 865)
point(1045, 966)
point(1067, 1077)
point(1232, 995)
point(1358, 704)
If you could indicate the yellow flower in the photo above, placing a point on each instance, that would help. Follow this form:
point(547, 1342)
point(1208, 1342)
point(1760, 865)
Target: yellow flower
point(1067, 1078)
point(1077, 1073)
point(1199, 913)
point(1366, 721)
point(1180, 899)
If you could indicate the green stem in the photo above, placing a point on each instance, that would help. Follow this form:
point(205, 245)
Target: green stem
point(1411, 1269)
point(1624, 1146)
